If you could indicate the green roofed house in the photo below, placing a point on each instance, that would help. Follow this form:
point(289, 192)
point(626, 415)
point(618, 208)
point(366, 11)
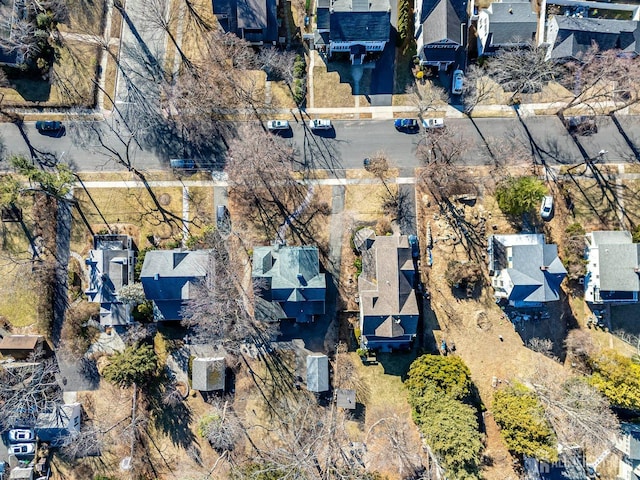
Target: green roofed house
point(289, 283)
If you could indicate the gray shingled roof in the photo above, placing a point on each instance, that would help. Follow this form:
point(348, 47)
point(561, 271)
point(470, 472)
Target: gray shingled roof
point(387, 298)
point(511, 23)
point(536, 271)
point(617, 260)
point(168, 276)
point(442, 20)
point(360, 26)
point(576, 35)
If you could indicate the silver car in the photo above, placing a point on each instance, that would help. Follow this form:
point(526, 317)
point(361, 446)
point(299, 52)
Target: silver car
point(21, 435)
point(22, 449)
point(278, 125)
point(546, 209)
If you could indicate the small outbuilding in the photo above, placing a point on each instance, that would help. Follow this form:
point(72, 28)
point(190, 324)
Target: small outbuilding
point(20, 347)
point(317, 373)
point(21, 473)
point(208, 374)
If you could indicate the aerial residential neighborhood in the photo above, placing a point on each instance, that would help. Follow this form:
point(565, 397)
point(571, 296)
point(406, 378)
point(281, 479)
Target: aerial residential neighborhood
point(319, 239)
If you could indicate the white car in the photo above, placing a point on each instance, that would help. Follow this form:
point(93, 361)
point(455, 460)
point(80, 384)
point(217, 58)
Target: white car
point(456, 82)
point(320, 124)
point(21, 449)
point(546, 209)
point(430, 123)
point(278, 125)
point(21, 435)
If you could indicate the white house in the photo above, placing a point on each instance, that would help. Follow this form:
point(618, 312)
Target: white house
point(613, 268)
point(60, 424)
point(317, 373)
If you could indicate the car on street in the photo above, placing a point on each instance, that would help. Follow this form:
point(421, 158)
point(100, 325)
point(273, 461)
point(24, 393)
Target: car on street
point(581, 125)
point(432, 123)
point(320, 124)
point(409, 125)
point(21, 435)
point(456, 82)
point(182, 163)
point(415, 247)
point(48, 126)
point(275, 125)
point(22, 449)
point(546, 209)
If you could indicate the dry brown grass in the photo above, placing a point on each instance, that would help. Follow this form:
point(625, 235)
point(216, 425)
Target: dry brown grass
point(110, 76)
point(85, 17)
point(330, 89)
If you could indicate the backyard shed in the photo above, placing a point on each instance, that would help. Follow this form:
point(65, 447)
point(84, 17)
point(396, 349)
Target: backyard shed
point(346, 398)
point(208, 374)
point(317, 373)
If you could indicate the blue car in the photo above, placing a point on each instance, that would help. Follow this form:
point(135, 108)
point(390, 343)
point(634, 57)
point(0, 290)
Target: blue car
point(415, 247)
point(409, 125)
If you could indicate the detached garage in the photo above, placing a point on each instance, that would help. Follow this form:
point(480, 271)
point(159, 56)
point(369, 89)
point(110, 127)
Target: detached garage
point(317, 373)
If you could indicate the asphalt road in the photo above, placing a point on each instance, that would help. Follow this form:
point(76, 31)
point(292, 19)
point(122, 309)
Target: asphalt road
point(352, 141)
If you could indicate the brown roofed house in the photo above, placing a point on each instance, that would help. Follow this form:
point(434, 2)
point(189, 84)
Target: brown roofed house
point(388, 304)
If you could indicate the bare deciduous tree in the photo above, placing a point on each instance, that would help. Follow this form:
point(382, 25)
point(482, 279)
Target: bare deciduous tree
point(26, 391)
point(219, 311)
point(602, 81)
point(522, 70)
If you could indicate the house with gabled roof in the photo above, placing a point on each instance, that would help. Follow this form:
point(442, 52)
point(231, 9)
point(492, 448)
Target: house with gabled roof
point(525, 270)
point(356, 27)
point(289, 283)
point(255, 21)
point(440, 32)
point(169, 278)
point(60, 424)
point(506, 25)
point(389, 311)
point(613, 268)
point(570, 37)
point(111, 265)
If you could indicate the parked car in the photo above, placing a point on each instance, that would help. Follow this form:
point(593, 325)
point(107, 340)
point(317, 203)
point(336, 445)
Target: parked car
point(223, 219)
point(274, 125)
point(48, 125)
point(546, 209)
point(415, 247)
point(21, 435)
point(182, 163)
point(22, 449)
point(409, 125)
point(456, 82)
point(320, 124)
point(431, 123)
point(581, 125)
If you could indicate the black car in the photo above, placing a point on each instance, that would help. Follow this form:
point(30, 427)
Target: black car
point(48, 125)
point(409, 125)
point(581, 125)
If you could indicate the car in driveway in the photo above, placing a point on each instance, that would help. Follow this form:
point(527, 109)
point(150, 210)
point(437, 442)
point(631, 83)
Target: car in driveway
point(456, 82)
point(278, 125)
point(546, 209)
point(581, 125)
point(432, 123)
point(409, 125)
point(48, 126)
point(415, 247)
point(22, 449)
point(320, 124)
point(18, 435)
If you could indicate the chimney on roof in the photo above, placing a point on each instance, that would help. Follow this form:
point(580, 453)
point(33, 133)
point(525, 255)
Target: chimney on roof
point(544, 268)
point(637, 270)
point(302, 280)
point(511, 10)
point(156, 276)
